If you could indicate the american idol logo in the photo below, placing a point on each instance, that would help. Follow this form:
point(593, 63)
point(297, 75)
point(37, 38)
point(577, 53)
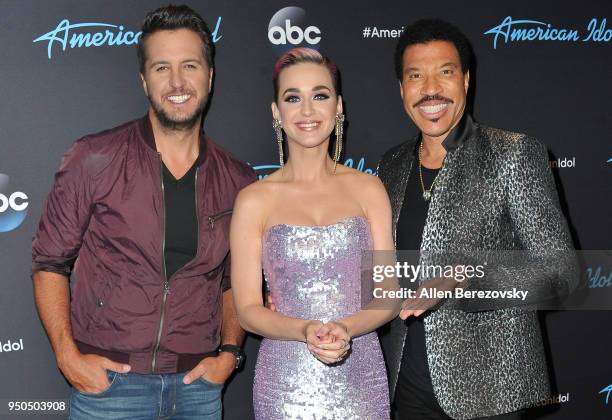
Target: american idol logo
point(360, 166)
point(13, 206)
point(86, 35)
point(522, 30)
point(264, 170)
point(288, 29)
point(597, 277)
point(607, 390)
point(79, 35)
point(11, 346)
point(555, 399)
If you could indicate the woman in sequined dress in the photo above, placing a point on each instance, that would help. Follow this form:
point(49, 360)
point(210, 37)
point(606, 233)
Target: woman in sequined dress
point(307, 226)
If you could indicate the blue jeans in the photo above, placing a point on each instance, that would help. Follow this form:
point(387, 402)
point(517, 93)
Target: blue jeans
point(146, 397)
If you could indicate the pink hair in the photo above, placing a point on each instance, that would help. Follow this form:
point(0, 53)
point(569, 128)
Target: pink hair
point(304, 55)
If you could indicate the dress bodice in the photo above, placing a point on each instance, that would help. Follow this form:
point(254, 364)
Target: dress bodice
point(315, 272)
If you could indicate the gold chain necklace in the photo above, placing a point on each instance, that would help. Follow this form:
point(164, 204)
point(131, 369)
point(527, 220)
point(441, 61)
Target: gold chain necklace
point(426, 193)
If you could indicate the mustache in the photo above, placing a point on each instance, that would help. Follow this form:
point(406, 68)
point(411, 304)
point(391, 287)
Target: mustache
point(179, 92)
point(432, 98)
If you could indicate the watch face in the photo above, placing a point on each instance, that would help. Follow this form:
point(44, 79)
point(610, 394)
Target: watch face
point(236, 351)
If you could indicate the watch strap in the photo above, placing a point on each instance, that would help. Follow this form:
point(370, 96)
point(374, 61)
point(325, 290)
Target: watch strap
point(236, 351)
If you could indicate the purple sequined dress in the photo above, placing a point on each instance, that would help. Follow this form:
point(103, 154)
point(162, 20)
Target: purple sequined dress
point(314, 272)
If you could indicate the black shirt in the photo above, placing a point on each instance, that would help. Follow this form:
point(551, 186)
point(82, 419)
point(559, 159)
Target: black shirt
point(181, 241)
point(415, 396)
point(409, 234)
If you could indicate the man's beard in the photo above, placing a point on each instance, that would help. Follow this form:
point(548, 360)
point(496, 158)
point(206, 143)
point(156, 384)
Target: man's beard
point(181, 124)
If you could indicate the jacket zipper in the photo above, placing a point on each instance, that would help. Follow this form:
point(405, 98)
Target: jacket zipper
point(166, 291)
point(166, 280)
point(212, 219)
point(197, 215)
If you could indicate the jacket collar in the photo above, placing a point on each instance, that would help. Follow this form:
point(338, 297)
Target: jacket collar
point(149, 139)
point(459, 134)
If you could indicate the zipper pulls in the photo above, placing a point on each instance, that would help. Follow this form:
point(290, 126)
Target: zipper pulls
point(212, 219)
point(166, 287)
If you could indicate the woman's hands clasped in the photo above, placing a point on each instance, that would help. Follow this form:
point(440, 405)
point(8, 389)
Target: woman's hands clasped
point(328, 342)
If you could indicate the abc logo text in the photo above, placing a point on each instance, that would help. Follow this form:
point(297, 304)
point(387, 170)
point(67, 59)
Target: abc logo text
point(288, 29)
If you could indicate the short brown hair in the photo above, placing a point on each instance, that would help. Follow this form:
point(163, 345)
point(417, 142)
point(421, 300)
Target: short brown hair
point(170, 18)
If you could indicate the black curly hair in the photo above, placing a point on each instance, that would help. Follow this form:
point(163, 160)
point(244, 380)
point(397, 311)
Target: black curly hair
point(427, 30)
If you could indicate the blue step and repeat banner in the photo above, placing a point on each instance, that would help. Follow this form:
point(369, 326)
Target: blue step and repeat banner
point(69, 68)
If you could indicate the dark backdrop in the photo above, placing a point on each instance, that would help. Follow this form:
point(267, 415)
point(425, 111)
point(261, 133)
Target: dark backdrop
point(556, 90)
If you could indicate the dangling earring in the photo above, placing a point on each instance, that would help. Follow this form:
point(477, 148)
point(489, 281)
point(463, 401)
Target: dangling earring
point(339, 132)
point(278, 129)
